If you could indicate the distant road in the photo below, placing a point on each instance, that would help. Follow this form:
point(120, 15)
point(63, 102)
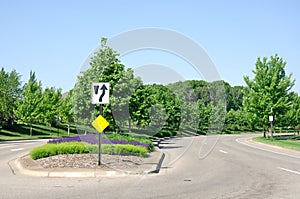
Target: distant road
point(235, 168)
point(12, 149)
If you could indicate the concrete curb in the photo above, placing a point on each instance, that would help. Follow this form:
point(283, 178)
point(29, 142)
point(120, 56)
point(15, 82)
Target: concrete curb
point(157, 169)
point(150, 166)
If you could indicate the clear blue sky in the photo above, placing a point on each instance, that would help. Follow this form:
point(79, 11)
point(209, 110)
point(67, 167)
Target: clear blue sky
point(54, 37)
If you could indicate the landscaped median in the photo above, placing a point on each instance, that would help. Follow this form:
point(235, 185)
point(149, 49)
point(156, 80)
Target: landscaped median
point(113, 145)
point(286, 141)
point(77, 157)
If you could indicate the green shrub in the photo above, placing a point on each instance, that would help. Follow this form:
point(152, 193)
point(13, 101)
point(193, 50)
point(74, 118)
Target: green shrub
point(48, 150)
point(110, 149)
point(130, 138)
point(93, 148)
point(57, 149)
point(124, 149)
point(130, 149)
point(165, 133)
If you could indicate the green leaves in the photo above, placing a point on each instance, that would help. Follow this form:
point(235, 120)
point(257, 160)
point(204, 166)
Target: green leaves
point(49, 106)
point(104, 67)
point(29, 103)
point(38, 106)
point(149, 96)
point(65, 108)
point(9, 93)
point(268, 93)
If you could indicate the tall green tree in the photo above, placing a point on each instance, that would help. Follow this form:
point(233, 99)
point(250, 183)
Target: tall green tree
point(9, 93)
point(218, 94)
point(120, 98)
point(292, 116)
point(204, 117)
point(49, 106)
point(66, 109)
point(236, 120)
point(187, 95)
point(217, 118)
point(105, 66)
point(234, 98)
point(268, 93)
point(29, 102)
point(150, 95)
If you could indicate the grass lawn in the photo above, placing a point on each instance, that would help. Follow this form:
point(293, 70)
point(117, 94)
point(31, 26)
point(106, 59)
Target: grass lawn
point(21, 131)
point(291, 142)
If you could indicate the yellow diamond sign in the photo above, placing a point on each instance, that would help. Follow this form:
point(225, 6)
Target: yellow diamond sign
point(100, 123)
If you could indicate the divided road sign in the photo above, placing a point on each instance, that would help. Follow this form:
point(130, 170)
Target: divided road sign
point(100, 93)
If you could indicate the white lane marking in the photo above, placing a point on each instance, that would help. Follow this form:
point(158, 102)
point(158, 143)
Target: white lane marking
point(238, 141)
point(288, 170)
point(18, 149)
point(30, 143)
point(200, 156)
point(4, 147)
point(223, 151)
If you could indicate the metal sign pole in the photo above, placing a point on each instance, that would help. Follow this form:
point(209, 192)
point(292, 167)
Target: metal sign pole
point(272, 130)
point(99, 139)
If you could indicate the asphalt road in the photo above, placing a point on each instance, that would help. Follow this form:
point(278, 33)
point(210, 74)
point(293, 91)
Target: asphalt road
point(12, 149)
point(194, 167)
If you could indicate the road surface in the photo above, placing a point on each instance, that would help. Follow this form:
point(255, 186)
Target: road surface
point(233, 168)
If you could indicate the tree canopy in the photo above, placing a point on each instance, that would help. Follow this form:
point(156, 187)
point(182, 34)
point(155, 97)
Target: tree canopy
point(269, 91)
point(9, 93)
point(105, 66)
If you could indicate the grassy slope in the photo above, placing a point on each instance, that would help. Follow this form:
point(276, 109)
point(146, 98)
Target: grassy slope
point(291, 142)
point(19, 132)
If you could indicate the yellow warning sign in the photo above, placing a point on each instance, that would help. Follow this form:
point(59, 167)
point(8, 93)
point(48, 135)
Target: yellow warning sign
point(100, 123)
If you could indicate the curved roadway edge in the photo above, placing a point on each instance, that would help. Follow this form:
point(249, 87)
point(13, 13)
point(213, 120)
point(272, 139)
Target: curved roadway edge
point(26, 166)
point(267, 147)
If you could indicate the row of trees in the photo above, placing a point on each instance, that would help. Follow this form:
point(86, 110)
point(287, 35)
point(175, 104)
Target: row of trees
point(31, 104)
point(150, 108)
point(191, 106)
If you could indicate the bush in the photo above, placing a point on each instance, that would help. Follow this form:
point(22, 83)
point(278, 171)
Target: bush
point(165, 133)
point(119, 149)
point(111, 139)
point(48, 150)
point(132, 150)
point(57, 149)
point(130, 138)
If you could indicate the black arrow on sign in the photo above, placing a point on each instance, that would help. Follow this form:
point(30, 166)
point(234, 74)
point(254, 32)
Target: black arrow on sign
point(103, 88)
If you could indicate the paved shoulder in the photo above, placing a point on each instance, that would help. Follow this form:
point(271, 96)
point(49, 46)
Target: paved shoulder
point(267, 147)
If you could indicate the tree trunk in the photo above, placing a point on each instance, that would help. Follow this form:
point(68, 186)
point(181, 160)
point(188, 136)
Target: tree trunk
point(271, 130)
point(266, 133)
point(30, 129)
point(50, 129)
point(68, 129)
point(129, 125)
